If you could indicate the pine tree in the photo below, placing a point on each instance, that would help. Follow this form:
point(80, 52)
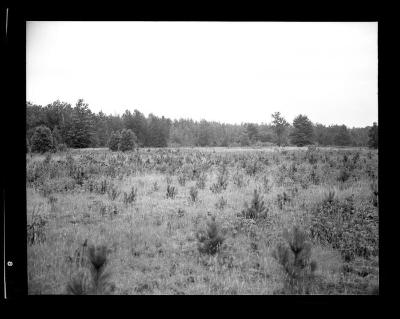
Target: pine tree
point(128, 140)
point(280, 126)
point(342, 137)
point(373, 136)
point(303, 131)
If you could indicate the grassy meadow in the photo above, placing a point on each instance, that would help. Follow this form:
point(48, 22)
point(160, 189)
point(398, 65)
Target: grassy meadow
point(150, 208)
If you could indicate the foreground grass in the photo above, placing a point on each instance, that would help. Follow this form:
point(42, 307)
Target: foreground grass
point(152, 241)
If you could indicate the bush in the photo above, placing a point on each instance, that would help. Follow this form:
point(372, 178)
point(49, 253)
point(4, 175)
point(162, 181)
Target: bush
point(128, 140)
point(114, 142)
point(354, 232)
point(42, 140)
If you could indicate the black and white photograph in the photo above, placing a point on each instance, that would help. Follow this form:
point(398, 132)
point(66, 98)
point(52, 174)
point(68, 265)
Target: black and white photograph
point(202, 158)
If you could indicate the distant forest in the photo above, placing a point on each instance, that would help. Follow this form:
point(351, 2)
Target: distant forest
point(79, 127)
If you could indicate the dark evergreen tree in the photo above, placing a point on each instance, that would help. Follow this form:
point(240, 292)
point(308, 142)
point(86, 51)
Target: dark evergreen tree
point(80, 131)
point(128, 140)
point(303, 131)
point(42, 140)
point(114, 142)
point(280, 126)
point(373, 136)
point(342, 137)
point(251, 131)
point(57, 139)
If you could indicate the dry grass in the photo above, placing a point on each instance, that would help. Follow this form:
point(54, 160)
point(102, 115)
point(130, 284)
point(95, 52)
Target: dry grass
point(153, 245)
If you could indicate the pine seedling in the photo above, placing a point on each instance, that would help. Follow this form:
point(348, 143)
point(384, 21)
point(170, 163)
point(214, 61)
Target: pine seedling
point(98, 283)
point(295, 257)
point(211, 239)
point(257, 208)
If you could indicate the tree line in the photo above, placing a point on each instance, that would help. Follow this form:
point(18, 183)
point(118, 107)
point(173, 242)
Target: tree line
point(79, 127)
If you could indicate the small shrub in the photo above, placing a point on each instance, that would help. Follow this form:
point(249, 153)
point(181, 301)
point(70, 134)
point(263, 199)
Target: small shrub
point(222, 181)
point(221, 203)
point(131, 196)
point(374, 192)
point(62, 147)
point(193, 194)
point(182, 180)
point(238, 180)
point(256, 209)
point(113, 193)
point(282, 199)
point(102, 187)
point(181, 212)
point(266, 184)
point(36, 229)
point(156, 187)
point(210, 240)
point(201, 181)
point(171, 191)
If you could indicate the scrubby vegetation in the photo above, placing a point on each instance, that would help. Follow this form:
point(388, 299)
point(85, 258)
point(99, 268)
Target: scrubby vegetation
point(203, 221)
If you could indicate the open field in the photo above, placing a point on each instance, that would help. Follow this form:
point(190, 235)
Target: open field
point(148, 208)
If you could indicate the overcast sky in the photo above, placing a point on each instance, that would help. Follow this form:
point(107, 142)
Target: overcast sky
point(231, 72)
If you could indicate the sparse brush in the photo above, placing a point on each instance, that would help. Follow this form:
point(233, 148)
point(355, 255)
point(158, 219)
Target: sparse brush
point(211, 239)
point(102, 187)
point(330, 196)
point(257, 208)
point(314, 176)
point(180, 212)
point(238, 180)
point(131, 197)
point(155, 187)
point(282, 199)
point(222, 181)
point(171, 191)
point(182, 180)
point(374, 192)
point(252, 168)
point(113, 193)
point(193, 194)
point(201, 181)
point(343, 175)
point(52, 201)
point(221, 203)
point(266, 184)
point(352, 230)
point(295, 257)
point(36, 228)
